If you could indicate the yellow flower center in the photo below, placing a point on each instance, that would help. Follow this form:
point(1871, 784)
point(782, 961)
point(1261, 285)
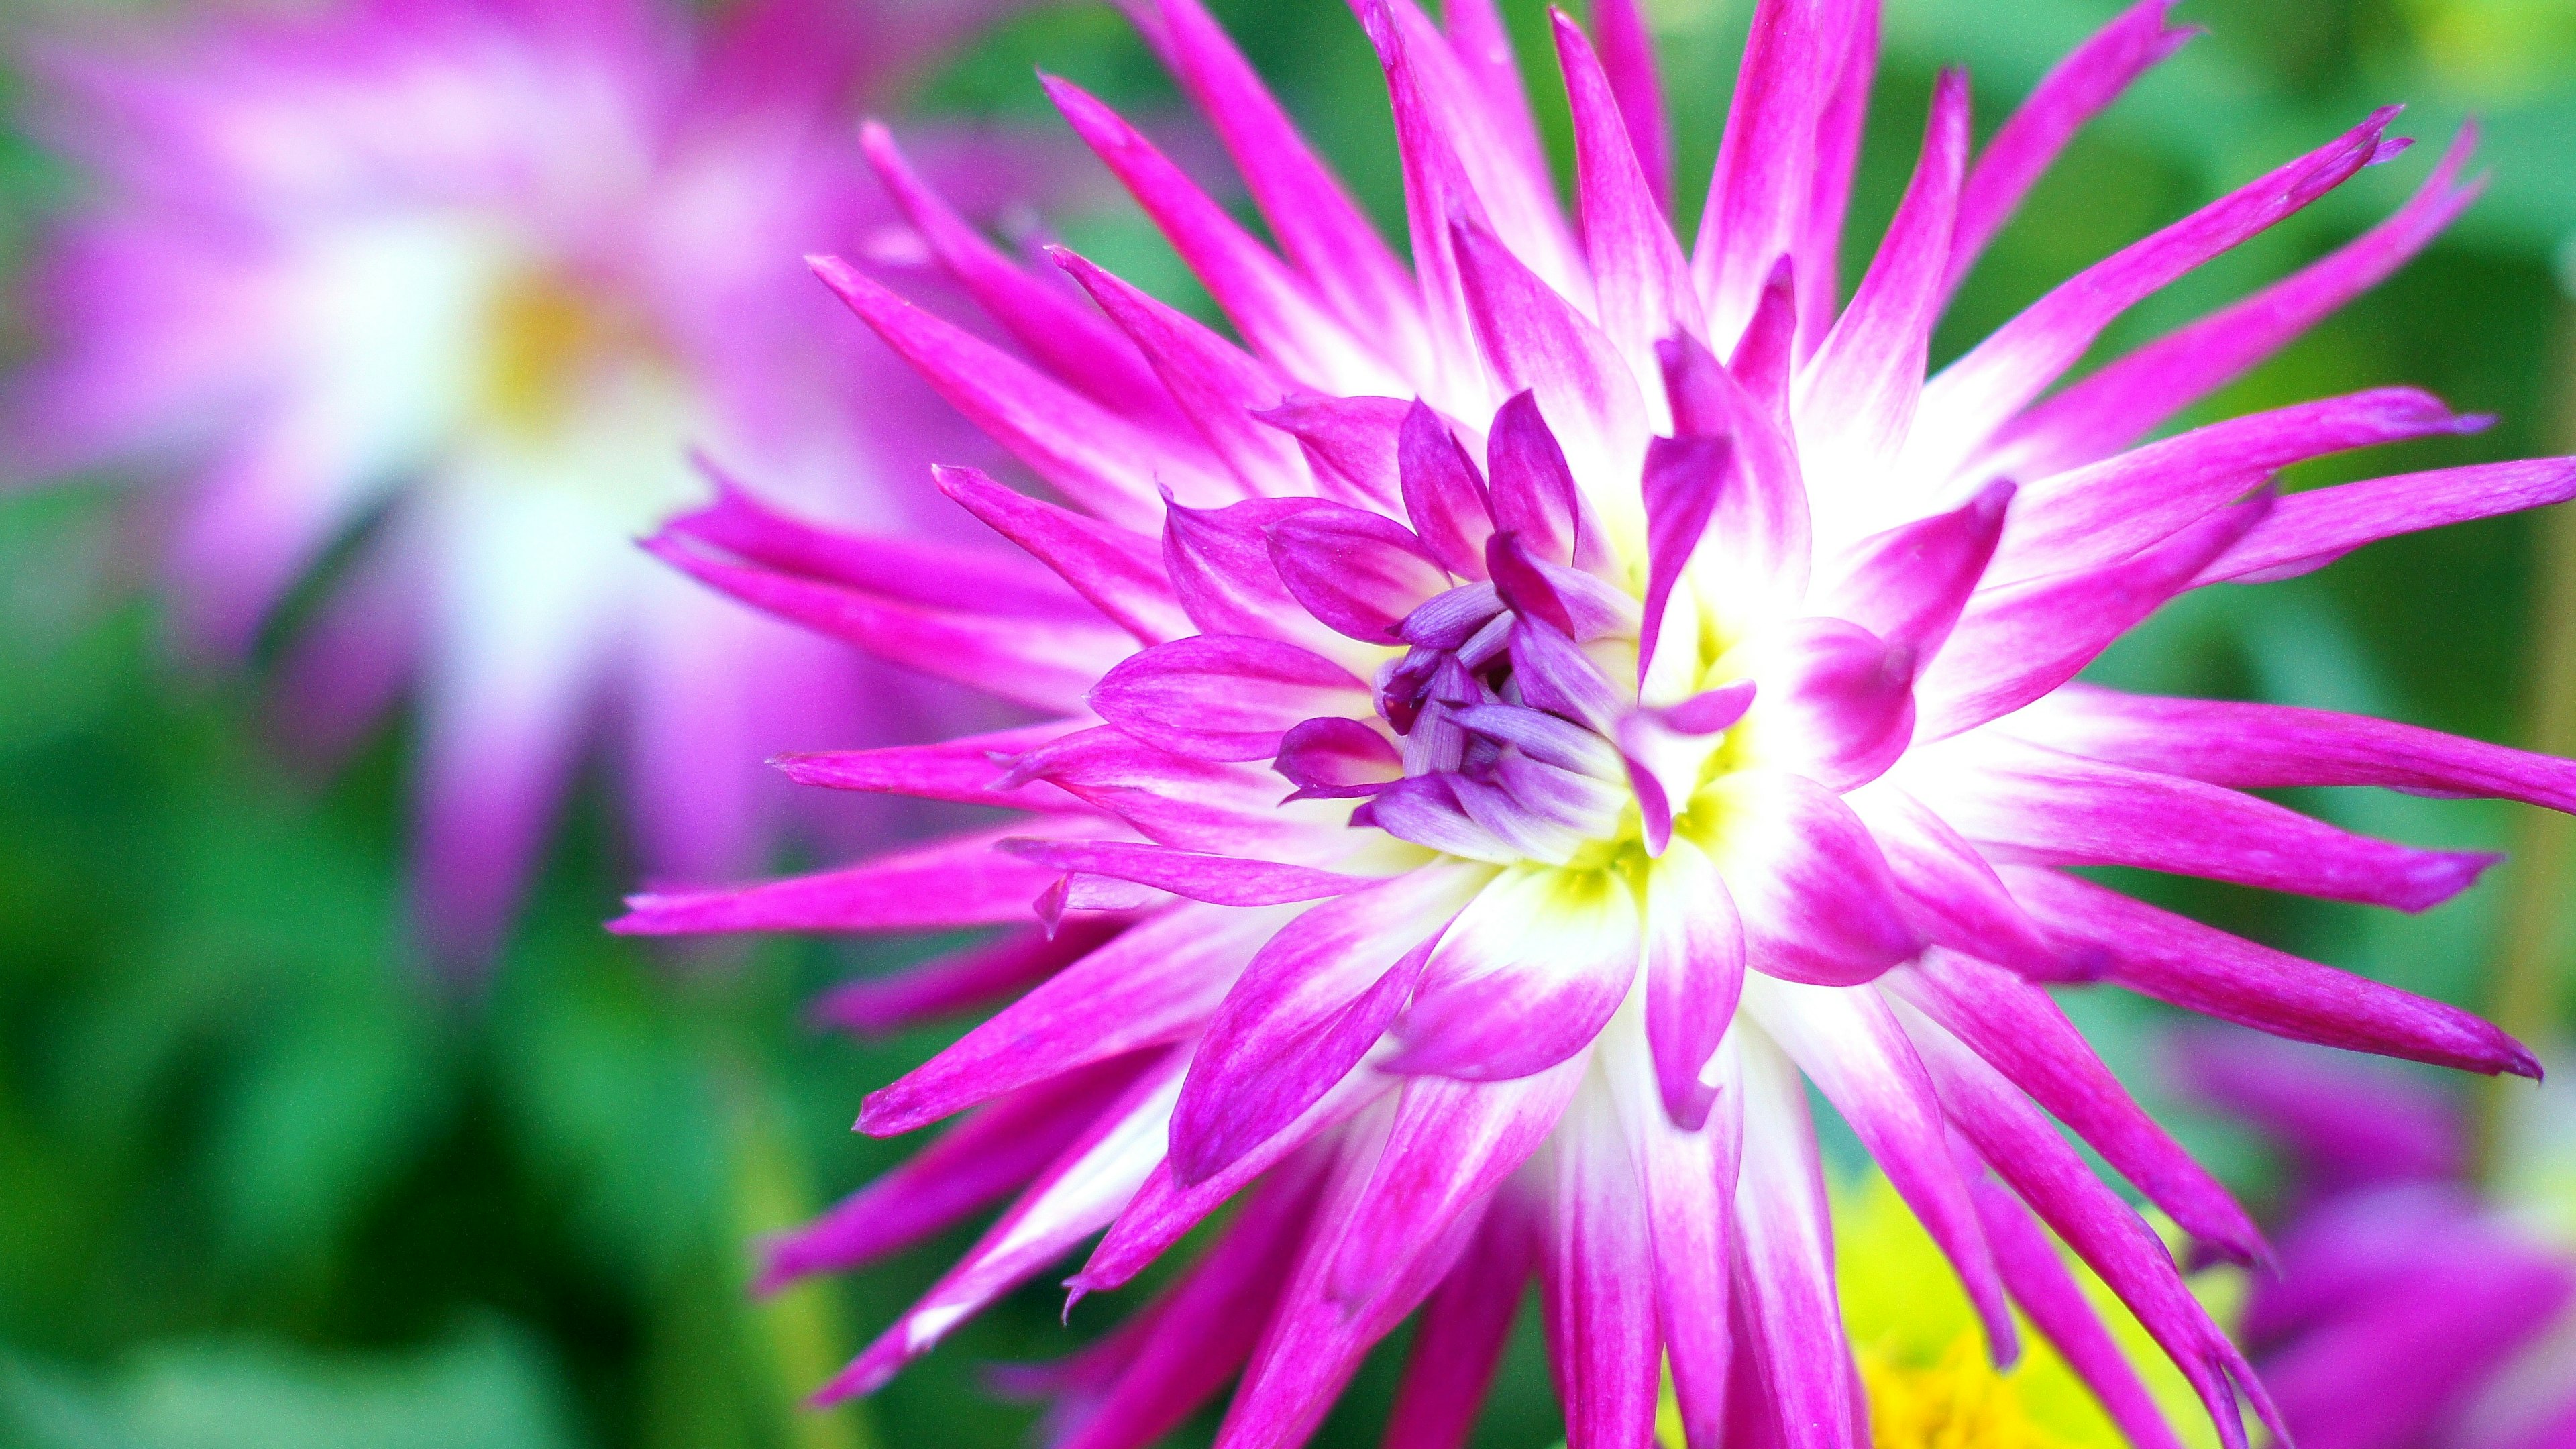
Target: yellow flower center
point(1957, 1402)
point(548, 340)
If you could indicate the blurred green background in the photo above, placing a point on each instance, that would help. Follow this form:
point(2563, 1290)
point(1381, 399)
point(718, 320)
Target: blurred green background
point(262, 1185)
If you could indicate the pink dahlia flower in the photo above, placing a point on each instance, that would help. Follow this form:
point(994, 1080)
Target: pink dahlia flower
point(2407, 1311)
point(1670, 692)
point(480, 272)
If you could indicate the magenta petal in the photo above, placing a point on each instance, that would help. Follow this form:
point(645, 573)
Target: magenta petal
point(2265, 746)
point(991, 1152)
point(1350, 442)
point(1044, 663)
point(1358, 571)
point(1073, 443)
point(1078, 1195)
point(1951, 892)
point(1850, 1044)
point(1539, 344)
point(1689, 1178)
point(2015, 644)
point(1763, 189)
point(1857, 401)
point(1597, 1276)
point(1270, 305)
point(2020, 1031)
point(1312, 1003)
point(1154, 984)
point(958, 882)
point(2012, 1135)
point(1218, 560)
point(1557, 677)
point(1534, 491)
point(1683, 481)
point(1784, 1259)
point(1643, 279)
point(1818, 902)
point(1844, 701)
point(1443, 493)
point(959, 770)
point(1761, 540)
point(2092, 516)
point(2033, 805)
point(2043, 1289)
point(1981, 391)
point(1910, 584)
point(2347, 1124)
point(1072, 341)
point(2309, 530)
point(1628, 59)
point(1694, 964)
point(1323, 231)
point(1524, 978)
point(2206, 970)
point(1216, 879)
point(1459, 1343)
point(1121, 573)
point(1337, 759)
point(1218, 386)
point(2088, 79)
point(1224, 697)
point(2124, 401)
point(975, 978)
point(1450, 1144)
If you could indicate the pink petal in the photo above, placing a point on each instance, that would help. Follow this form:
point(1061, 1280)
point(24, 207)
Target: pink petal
point(1843, 700)
point(1224, 697)
point(960, 770)
point(2026, 804)
point(1784, 1258)
point(2127, 399)
point(955, 883)
point(994, 1151)
point(1444, 495)
point(1628, 62)
point(1119, 572)
point(1081, 448)
point(1332, 759)
point(2021, 1032)
point(2090, 77)
point(1358, 571)
point(2310, 530)
point(1271, 306)
point(1982, 391)
point(1681, 486)
point(1219, 564)
point(1046, 664)
point(1538, 343)
point(1857, 404)
point(1524, 978)
point(1597, 1278)
point(1219, 880)
point(1637, 266)
point(1694, 964)
point(1952, 895)
point(1154, 984)
point(967, 980)
point(2268, 746)
point(1350, 443)
point(1910, 584)
point(1218, 386)
point(1689, 1178)
point(2207, 970)
point(1817, 900)
point(1459, 1342)
point(1313, 1002)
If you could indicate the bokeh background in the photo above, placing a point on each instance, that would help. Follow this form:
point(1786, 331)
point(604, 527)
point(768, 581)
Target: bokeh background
point(265, 1182)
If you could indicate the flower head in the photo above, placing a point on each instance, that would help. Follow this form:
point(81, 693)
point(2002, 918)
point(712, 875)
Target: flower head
point(465, 281)
point(1670, 693)
point(2409, 1308)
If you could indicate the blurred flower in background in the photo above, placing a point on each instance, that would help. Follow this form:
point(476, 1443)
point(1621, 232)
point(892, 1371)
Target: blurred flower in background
point(2410, 1308)
point(1715, 736)
point(423, 304)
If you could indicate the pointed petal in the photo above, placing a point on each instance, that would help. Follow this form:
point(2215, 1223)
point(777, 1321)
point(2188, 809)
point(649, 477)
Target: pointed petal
point(1638, 268)
point(1459, 1343)
point(1350, 443)
point(959, 770)
point(1596, 1273)
point(1814, 892)
point(2206, 970)
point(1841, 700)
point(955, 883)
point(960, 981)
point(1784, 1257)
point(1093, 455)
point(1628, 60)
point(1537, 342)
point(1220, 880)
point(2079, 87)
point(1694, 965)
point(1910, 584)
point(2312, 529)
point(1683, 481)
point(1219, 563)
point(1360, 572)
point(1121, 573)
point(1444, 495)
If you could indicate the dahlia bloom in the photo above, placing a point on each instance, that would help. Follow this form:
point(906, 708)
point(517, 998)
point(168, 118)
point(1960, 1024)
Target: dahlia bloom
point(1670, 692)
point(479, 273)
point(2409, 1311)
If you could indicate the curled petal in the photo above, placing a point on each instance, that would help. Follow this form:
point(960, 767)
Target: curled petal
point(1328, 759)
point(1360, 572)
point(1818, 902)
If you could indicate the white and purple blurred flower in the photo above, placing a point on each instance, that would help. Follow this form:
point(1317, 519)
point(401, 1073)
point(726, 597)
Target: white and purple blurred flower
point(2407, 1310)
point(480, 273)
point(1660, 734)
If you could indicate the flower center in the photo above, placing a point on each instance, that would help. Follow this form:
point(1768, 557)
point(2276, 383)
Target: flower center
point(1958, 1402)
point(550, 342)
